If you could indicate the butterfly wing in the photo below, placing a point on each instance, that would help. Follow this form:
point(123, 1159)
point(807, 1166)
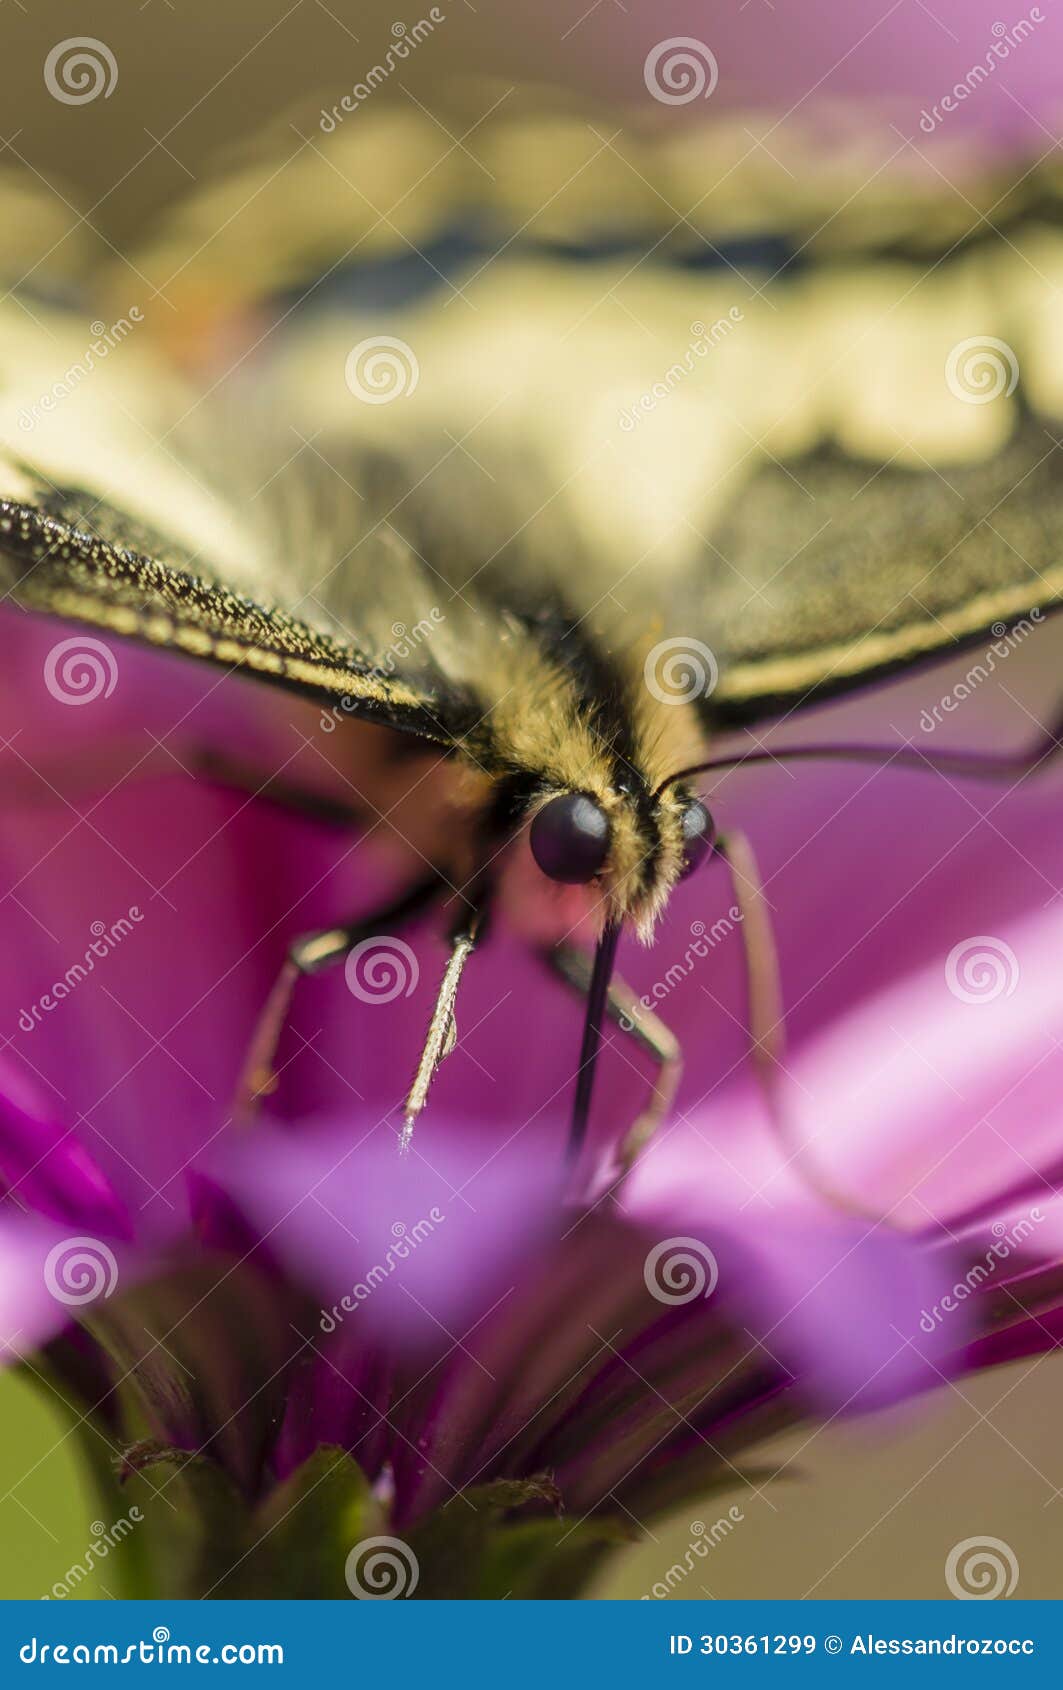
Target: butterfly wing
point(832, 572)
point(74, 556)
point(804, 494)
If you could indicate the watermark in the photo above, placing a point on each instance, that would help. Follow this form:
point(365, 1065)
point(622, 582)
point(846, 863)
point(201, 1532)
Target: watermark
point(981, 969)
point(704, 940)
point(381, 369)
point(79, 70)
point(1000, 50)
point(703, 1540)
point(104, 940)
point(381, 969)
point(405, 641)
point(680, 1270)
point(104, 1539)
point(1005, 641)
point(80, 670)
point(79, 1271)
point(981, 369)
point(404, 43)
point(105, 340)
point(406, 1241)
point(679, 70)
point(705, 337)
point(143, 1653)
point(980, 1569)
point(1007, 1241)
point(678, 670)
point(381, 1569)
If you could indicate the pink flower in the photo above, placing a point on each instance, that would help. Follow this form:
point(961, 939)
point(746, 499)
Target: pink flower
point(284, 1294)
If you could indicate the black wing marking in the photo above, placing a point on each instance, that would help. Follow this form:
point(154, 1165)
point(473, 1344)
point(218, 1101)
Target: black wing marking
point(839, 573)
point(64, 555)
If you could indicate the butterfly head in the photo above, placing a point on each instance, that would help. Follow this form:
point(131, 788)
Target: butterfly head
point(627, 846)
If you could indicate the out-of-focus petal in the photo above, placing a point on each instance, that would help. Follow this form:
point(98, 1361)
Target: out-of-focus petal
point(944, 1092)
point(833, 1298)
point(408, 1248)
point(48, 1276)
point(47, 1168)
point(146, 913)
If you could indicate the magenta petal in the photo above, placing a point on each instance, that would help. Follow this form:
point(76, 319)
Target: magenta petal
point(188, 891)
point(47, 1168)
point(933, 1099)
point(216, 1219)
point(407, 1248)
point(48, 1276)
point(841, 1305)
point(833, 1298)
point(342, 1396)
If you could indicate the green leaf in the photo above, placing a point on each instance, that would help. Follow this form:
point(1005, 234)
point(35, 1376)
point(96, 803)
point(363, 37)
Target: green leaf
point(308, 1527)
point(200, 1537)
point(196, 1522)
point(509, 1538)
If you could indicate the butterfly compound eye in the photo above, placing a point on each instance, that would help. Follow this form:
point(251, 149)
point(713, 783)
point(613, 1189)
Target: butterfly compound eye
point(699, 831)
point(570, 838)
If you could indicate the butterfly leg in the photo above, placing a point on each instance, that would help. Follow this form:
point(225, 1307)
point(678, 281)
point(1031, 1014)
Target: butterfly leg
point(310, 954)
point(442, 1028)
point(95, 774)
point(765, 1011)
point(221, 770)
point(640, 1024)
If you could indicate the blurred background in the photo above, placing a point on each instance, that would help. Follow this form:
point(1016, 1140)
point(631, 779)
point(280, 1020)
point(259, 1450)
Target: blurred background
point(195, 78)
point(204, 95)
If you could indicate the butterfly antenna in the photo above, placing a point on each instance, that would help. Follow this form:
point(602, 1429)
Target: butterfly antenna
point(970, 765)
point(442, 1028)
point(597, 1000)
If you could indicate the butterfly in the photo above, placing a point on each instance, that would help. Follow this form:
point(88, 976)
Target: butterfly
point(537, 709)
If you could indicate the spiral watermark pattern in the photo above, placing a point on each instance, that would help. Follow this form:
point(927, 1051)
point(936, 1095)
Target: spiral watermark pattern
point(980, 1569)
point(680, 1270)
point(1000, 48)
point(981, 969)
point(381, 969)
point(381, 369)
point(80, 670)
point(679, 70)
point(80, 69)
point(678, 670)
point(381, 1569)
point(981, 369)
point(79, 1271)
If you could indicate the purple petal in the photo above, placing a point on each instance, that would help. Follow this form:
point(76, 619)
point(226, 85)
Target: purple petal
point(142, 940)
point(48, 1277)
point(45, 1166)
point(407, 1248)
